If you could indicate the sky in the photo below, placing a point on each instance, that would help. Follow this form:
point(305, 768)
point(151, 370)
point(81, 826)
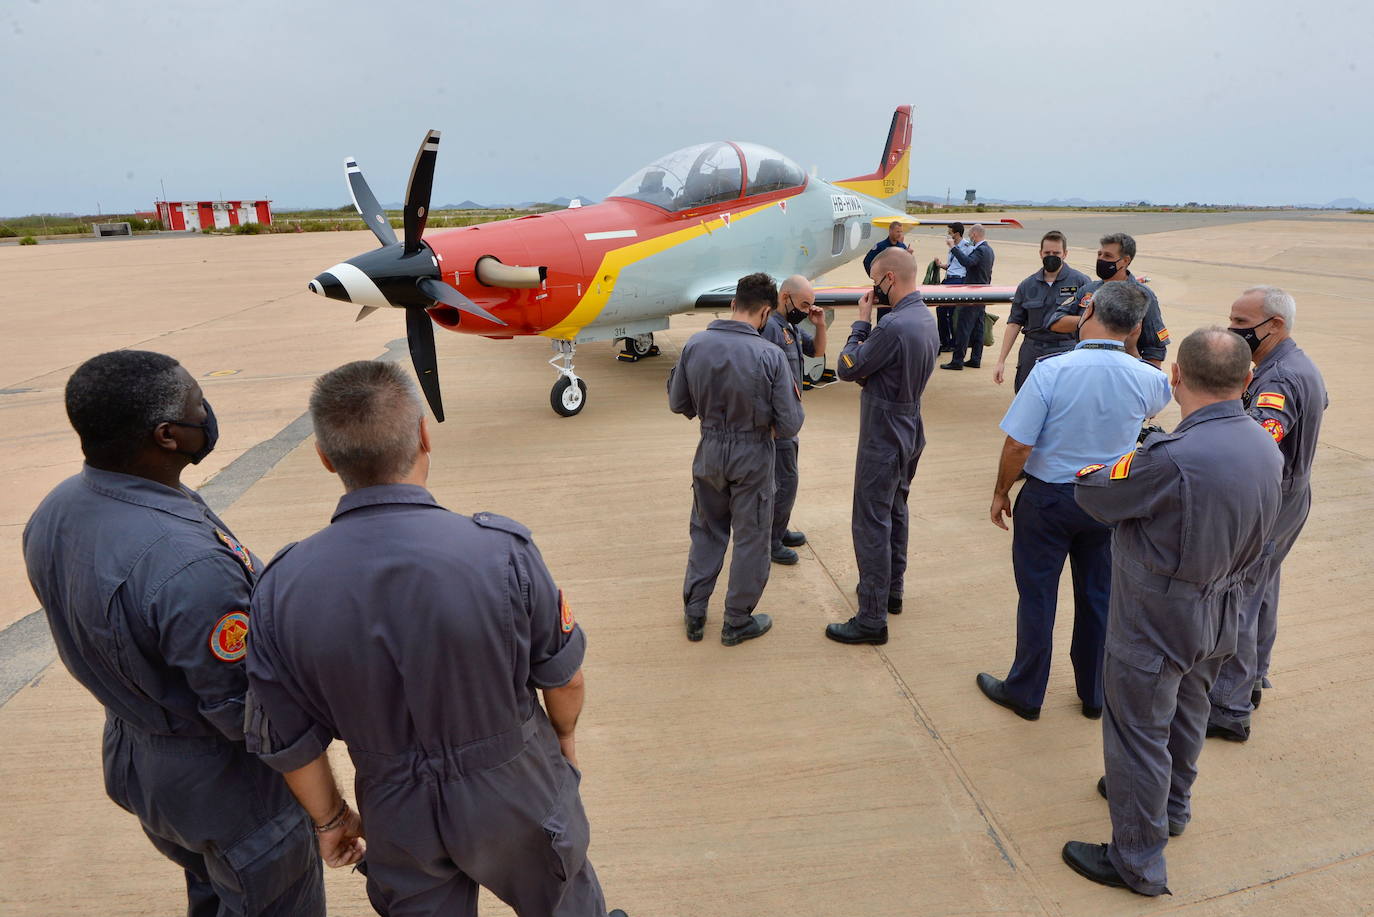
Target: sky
point(104, 102)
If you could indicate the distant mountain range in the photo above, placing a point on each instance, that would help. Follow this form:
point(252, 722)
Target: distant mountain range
point(1344, 203)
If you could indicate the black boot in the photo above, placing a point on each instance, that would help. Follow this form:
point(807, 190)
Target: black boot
point(757, 626)
point(851, 632)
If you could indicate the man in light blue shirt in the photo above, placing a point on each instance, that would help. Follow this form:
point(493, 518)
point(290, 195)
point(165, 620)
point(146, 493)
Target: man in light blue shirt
point(1074, 408)
point(955, 273)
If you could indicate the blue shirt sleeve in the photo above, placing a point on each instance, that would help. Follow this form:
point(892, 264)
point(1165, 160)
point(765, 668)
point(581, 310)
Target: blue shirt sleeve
point(1026, 416)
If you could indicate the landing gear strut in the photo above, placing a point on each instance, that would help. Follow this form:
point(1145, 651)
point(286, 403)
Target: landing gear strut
point(637, 348)
point(569, 393)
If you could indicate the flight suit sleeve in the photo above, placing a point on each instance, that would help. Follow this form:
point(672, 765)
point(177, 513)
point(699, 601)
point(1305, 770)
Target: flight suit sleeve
point(867, 351)
point(1129, 487)
point(808, 343)
point(785, 399)
point(557, 642)
point(1153, 343)
point(277, 729)
point(1073, 307)
point(200, 617)
point(679, 392)
point(1275, 408)
point(1017, 315)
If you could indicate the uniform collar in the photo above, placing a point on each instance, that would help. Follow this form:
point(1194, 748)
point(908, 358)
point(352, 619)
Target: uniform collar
point(383, 495)
point(1281, 349)
point(1232, 408)
point(142, 492)
point(1108, 342)
point(782, 322)
point(910, 299)
point(730, 324)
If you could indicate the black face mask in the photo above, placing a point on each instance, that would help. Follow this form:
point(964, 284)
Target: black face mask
point(1106, 270)
point(1252, 339)
point(795, 315)
point(879, 297)
point(211, 430)
point(1052, 263)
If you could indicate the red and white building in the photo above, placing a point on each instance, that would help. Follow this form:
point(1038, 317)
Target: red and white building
point(196, 215)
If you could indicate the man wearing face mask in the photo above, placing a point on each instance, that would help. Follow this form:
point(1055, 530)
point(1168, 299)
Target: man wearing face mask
point(955, 274)
point(147, 595)
point(1036, 297)
point(1287, 397)
point(1114, 256)
point(796, 303)
point(968, 324)
point(893, 363)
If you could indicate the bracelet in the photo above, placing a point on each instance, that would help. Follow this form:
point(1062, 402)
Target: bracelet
point(334, 822)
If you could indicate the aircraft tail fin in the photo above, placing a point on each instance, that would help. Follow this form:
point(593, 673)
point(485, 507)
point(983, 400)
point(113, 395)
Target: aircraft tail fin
point(889, 183)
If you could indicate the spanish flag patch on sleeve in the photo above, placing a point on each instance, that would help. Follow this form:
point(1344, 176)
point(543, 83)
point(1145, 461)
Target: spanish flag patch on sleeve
point(1271, 400)
point(1163, 335)
point(1121, 468)
point(565, 614)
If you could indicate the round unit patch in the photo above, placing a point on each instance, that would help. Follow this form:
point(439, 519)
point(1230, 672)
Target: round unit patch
point(239, 550)
point(228, 641)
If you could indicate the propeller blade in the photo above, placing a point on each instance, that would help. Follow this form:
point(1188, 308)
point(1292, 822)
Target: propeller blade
point(366, 203)
point(364, 312)
point(417, 191)
point(420, 337)
point(439, 291)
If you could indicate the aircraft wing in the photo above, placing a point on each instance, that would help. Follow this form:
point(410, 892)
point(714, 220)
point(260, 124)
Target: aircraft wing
point(934, 295)
point(968, 221)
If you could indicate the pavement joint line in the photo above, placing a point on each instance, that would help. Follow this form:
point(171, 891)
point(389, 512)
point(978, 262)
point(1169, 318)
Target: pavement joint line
point(1297, 874)
point(26, 646)
point(1001, 839)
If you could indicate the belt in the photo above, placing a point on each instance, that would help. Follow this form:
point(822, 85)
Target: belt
point(450, 762)
point(894, 407)
point(165, 741)
point(1161, 583)
point(738, 436)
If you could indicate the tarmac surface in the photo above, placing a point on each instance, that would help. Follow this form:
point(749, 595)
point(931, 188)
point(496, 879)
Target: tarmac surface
point(786, 776)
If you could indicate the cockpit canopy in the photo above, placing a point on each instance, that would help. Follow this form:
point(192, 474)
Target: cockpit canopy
point(709, 173)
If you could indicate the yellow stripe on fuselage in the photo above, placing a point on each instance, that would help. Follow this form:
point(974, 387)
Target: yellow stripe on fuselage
point(617, 259)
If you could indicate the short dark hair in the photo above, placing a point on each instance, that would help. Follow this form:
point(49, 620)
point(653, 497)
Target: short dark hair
point(367, 417)
point(1214, 360)
point(1126, 243)
point(116, 399)
point(1054, 235)
point(1120, 305)
point(956, 228)
point(756, 292)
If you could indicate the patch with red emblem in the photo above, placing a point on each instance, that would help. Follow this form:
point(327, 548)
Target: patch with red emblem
point(1163, 335)
point(1271, 400)
point(1087, 301)
point(1122, 467)
point(228, 641)
point(1275, 429)
point(239, 550)
point(1084, 472)
point(565, 613)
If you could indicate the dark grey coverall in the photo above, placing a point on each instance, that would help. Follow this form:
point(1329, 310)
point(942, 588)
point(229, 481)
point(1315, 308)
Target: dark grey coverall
point(794, 343)
point(1287, 397)
point(1153, 343)
point(146, 592)
point(892, 362)
point(1193, 516)
point(740, 387)
point(1031, 305)
point(418, 636)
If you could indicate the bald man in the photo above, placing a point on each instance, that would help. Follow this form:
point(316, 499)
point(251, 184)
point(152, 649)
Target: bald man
point(893, 363)
point(796, 303)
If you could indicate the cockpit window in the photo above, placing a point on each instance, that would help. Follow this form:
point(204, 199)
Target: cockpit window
point(769, 170)
point(693, 177)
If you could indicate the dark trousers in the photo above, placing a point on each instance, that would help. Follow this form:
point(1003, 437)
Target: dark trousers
point(944, 323)
point(1047, 527)
point(968, 334)
point(784, 488)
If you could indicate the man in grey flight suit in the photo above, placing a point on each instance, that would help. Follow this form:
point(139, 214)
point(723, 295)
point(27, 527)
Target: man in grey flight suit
point(740, 387)
point(892, 362)
point(419, 637)
point(1287, 398)
point(1115, 252)
point(146, 592)
point(1193, 511)
point(796, 302)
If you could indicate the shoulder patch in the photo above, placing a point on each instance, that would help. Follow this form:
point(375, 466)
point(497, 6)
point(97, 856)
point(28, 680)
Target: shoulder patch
point(848, 360)
point(1086, 300)
point(1121, 468)
point(501, 524)
point(239, 550)
point(1275, 429)
point(228, 640)
point(1273, 400)
point(565, 616)
point(1163, 335)
point(1089, 469)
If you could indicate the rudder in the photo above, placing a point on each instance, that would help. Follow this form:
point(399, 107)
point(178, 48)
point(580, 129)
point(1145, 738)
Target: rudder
point(889, 182)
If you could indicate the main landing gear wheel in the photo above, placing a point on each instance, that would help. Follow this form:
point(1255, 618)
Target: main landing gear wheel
point(637, 348)
point(568, 399)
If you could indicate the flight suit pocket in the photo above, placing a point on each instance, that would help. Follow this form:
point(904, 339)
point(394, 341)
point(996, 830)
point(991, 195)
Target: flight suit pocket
point(264, 864)
point(567, 829)
point(1133, 685)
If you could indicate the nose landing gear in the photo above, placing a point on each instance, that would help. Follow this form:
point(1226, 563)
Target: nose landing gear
point(569, 395)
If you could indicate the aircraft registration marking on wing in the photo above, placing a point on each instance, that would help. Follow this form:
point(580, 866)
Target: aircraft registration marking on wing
point(611, 234)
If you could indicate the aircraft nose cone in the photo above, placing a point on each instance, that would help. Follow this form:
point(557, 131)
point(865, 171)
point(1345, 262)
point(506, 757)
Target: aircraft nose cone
point(328, 285)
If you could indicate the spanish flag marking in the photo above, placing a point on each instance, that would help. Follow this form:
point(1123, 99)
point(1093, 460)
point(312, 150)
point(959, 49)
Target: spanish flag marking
point(1271, 400)
point(1121, 469)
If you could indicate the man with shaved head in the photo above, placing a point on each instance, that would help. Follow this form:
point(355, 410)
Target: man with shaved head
point(796, 303)
point(1193, 512)
point(893, 362)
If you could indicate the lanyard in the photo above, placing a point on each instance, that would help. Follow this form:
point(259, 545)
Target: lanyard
point(1097, 345)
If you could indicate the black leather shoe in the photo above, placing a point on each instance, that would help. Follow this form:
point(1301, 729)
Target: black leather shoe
point(1221, 732)
point(945, 348)
point(758, 626)
point(694, 627)
point(973, 364)
point(618, 912)
point(1175, 828)
point(851, 632)
point(894, 604)
point(785, 556)
point(951, 365)
point(1090, 861)
point(792, 539)
point(1091, 712)
point(997, 693)
point(1257, 694)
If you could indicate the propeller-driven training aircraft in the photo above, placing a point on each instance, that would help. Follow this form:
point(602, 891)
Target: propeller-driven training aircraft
point(673, 237)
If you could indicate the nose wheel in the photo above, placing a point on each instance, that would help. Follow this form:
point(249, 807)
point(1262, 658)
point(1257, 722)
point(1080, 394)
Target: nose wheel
point(569, 395)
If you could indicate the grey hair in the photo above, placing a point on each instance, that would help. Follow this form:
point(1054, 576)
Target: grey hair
point(1215, 361)
point(367, 417)
point(1278, 302)
point(1120, 305)
point(978, 228)
point(1126, 243)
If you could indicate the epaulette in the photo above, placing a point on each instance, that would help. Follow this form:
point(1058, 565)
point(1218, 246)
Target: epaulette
point(502, 524)
point(278, 556)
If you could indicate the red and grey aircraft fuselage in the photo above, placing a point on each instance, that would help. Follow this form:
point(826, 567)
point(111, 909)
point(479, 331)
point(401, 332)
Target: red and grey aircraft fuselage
point(673, 237)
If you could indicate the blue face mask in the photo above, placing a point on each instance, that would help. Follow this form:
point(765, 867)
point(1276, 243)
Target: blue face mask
point(211, 430)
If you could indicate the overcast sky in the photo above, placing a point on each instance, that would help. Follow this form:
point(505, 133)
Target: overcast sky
point(1263, 102)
